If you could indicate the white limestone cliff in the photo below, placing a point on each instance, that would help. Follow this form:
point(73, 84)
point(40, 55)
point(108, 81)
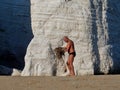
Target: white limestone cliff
point(83, 21)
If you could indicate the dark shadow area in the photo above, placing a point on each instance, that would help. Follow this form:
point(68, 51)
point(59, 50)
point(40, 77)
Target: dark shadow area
point(15, 32)
point(5, 70)
point(95, 39)
point(113, 22)
point(113, 19)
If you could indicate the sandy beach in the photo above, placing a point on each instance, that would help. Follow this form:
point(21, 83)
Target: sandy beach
point(99, 82)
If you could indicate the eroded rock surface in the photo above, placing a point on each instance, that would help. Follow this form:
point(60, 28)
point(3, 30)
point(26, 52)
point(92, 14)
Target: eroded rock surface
point(84, 21)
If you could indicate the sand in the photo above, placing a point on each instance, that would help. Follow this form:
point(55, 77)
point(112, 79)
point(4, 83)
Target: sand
point(99, 82)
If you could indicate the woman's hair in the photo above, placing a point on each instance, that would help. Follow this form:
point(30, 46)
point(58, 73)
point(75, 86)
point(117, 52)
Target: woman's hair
point(66, 37)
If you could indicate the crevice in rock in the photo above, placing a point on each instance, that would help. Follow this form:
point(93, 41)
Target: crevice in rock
point(95, 50)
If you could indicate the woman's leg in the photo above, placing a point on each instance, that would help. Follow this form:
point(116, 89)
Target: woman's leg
point(71, 59)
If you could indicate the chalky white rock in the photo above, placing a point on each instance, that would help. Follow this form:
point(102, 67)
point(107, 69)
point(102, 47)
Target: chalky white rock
point(83, 21)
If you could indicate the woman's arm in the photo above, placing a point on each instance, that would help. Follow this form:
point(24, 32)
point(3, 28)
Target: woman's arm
point(67, 47)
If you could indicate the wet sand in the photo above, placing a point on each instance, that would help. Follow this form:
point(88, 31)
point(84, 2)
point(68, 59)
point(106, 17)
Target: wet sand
point(99, 82)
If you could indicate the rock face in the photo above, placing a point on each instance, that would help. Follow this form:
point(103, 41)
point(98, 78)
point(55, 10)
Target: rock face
point(36, 66)
point(61, 68)
point(87, 23)
point(93, 25)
